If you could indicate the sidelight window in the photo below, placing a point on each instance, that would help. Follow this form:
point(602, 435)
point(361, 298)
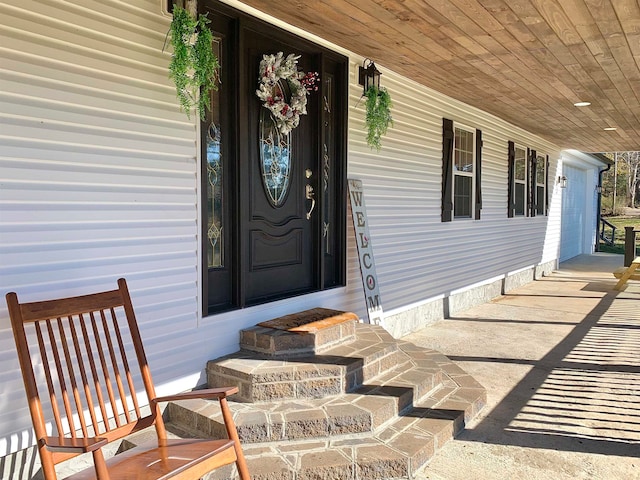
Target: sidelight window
point(214, 180)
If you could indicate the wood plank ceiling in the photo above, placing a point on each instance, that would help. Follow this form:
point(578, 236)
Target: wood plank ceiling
point(526, 61)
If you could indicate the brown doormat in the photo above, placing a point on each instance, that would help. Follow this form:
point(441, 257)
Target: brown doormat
point(309, 321)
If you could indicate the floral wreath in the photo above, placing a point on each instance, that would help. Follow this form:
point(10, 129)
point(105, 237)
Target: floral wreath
point(274, 69)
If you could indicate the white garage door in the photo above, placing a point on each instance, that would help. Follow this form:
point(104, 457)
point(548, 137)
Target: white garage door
point(573, 213)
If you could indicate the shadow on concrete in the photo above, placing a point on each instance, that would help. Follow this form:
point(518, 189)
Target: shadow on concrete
point(583, 395)
point(24, 464)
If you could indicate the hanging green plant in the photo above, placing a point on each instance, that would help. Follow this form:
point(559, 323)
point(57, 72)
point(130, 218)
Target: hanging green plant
point(194, 67)
point(378, 117)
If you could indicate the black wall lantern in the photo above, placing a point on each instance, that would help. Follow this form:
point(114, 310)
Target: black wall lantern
point(562, 181)
point(368, 75)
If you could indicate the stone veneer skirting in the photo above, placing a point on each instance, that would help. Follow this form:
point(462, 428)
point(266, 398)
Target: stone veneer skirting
point(412, 319)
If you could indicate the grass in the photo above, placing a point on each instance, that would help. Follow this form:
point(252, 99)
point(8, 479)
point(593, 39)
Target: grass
point(618, 242)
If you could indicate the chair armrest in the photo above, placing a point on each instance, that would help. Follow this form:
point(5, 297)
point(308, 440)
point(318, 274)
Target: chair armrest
point(74, 445)
point(221, 392)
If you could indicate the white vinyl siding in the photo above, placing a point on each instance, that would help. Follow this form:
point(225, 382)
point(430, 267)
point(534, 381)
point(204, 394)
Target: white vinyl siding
point(98, 176)
point(416, 254)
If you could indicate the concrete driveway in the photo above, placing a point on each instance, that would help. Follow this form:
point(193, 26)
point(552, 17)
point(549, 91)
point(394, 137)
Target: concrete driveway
point(560, 359)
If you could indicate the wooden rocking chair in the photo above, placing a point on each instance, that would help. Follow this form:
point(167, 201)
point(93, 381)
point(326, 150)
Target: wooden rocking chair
point(89, 396)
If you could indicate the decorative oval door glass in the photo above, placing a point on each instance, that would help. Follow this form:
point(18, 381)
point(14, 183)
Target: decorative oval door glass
point(275, 157)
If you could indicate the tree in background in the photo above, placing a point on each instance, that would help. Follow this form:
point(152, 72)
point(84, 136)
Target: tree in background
point(621, 184)
point(633, 178)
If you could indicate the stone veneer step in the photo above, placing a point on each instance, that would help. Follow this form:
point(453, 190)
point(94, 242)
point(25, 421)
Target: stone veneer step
point(339, 369)
point(361, 411)
point(396, 449)
point(335, 330)
point(372, 408)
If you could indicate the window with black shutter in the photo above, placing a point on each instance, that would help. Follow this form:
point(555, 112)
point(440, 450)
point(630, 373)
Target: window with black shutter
point(447, 169)
point(461, 172)
point(546, 190)
point(511, 160)
point(517, 189)
point(532, 206)
point(478, 173)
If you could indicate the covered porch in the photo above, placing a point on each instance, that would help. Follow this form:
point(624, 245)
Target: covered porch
point(563, 406)
point(105, 178)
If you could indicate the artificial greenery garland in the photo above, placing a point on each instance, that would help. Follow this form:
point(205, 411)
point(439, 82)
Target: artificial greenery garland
point(194, 66)
point(378, 117)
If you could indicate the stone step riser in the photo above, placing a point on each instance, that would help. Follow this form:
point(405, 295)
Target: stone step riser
point(276, 343)
point(369, 408)
point(305, 379)
point(389, 395)
point(260, 389)
point(397, 452)
point(367, 462)
point(361, 414)
point(308, 424)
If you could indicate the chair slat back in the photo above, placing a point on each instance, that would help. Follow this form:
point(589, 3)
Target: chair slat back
point(83, 366)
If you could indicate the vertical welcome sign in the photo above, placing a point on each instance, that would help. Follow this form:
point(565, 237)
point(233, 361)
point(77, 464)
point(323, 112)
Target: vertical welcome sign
point(365, 253)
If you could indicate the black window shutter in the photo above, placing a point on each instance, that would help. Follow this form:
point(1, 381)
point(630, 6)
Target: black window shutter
point(511, 169)
point(546, 188)
point(447, 170)
point(533, 204)
point(528, 210)
point(478, 173)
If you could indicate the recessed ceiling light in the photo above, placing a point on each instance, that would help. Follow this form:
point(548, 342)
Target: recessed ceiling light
point(582, 104)
point(610, 129)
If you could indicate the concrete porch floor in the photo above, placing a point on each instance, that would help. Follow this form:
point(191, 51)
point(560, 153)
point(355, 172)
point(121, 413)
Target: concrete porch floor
point(560, 359)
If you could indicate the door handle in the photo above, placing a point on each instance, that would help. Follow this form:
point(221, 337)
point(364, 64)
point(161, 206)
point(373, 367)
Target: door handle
point(310, 195)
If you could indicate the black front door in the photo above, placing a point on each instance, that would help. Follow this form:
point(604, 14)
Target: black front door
point(273, 205)
point(278, 175)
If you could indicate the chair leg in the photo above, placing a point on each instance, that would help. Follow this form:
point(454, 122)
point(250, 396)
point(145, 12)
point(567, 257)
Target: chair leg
point(229, 424)
point(99, 465)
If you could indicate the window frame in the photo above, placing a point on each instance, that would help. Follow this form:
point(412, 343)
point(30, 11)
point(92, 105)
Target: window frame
point(464, 128)
point(524, 182)
point(541, 201)
point(537, 168)
point(448, 177)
